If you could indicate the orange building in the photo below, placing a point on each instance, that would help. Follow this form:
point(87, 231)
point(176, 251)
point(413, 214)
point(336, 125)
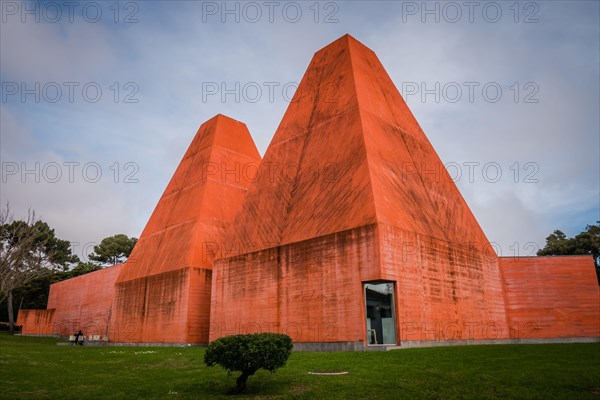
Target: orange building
point(349, 234)
point(162, 293)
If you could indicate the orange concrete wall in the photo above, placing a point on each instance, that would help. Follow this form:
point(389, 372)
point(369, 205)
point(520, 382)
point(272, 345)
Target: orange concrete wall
point(152, 309)
point(36, 322)
point(172, 307)
point(310, 290)
point(83, 302)
point(199, 305)
point(551, 297)
point(445, 290)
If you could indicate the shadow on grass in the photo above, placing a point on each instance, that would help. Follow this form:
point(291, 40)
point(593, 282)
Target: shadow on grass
point(262, 385)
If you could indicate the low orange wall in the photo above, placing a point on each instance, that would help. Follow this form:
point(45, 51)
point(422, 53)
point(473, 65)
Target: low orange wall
point(83, 302)
point(551, 297)
point(36, 322)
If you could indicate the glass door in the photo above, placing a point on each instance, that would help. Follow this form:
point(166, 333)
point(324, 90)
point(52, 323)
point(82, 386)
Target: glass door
point(380, 313)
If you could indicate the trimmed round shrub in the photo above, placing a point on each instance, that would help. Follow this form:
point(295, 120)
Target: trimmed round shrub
point(249, 353)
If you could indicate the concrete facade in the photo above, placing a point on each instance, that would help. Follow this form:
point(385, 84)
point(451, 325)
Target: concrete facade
point(83, 302)
point(348, 235)
point(549, 297)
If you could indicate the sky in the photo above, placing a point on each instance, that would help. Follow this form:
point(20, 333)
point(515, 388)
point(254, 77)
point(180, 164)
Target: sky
point(100, 99)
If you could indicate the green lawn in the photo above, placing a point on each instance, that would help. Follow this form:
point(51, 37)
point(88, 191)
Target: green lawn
point(36, 368)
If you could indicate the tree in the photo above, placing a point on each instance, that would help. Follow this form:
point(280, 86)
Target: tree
point(248, 354)
point(80, 269)
point(586, 242)
point(113, 249)
point(28, 250)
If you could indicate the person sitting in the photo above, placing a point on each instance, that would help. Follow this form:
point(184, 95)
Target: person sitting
point(79, 338)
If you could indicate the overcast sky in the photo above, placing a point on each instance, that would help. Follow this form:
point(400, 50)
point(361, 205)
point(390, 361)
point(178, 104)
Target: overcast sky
point(507, 94)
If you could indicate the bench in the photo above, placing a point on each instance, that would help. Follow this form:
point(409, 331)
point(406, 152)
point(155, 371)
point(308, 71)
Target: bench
point(90, 338)
point(72, 339)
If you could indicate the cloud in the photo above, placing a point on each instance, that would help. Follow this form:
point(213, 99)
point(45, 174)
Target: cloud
point(172, 53)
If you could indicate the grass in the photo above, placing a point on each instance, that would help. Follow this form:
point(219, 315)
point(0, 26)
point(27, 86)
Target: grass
point(36, 368)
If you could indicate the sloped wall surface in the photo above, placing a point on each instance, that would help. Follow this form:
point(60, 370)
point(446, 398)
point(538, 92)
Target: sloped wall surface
point(163, 291)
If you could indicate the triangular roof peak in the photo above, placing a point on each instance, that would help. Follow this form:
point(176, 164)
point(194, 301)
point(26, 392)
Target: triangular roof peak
point(344, 40)
point(198, 203)
point(349, 153)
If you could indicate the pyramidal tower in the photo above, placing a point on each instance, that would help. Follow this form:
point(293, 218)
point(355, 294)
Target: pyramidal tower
point(162, 293)
point(357, 234)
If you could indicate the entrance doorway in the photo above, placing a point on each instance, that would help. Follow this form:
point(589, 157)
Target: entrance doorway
point(380, 313)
